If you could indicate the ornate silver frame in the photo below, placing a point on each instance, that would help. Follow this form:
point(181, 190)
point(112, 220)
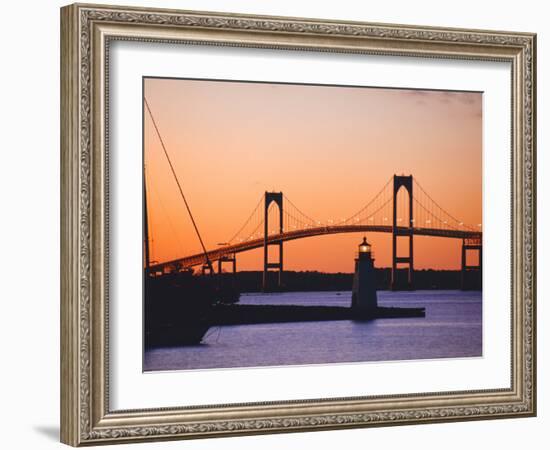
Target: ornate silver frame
point(86, 31)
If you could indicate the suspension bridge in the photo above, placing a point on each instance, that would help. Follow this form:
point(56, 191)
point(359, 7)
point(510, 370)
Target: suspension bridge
point(421, 215)
point(418, 215)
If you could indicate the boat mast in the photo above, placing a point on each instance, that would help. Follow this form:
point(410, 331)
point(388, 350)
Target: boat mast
point(146, 225)
point(205, 252)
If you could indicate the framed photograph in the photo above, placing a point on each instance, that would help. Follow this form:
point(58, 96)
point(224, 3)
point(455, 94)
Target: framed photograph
point(275, 224)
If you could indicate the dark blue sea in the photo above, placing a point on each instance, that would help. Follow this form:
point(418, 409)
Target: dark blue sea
point(452, 328)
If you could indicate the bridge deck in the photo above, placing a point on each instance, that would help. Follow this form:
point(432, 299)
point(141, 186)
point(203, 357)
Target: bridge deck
point(214, 255)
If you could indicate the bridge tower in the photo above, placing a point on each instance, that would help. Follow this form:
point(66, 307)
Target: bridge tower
point(276, 197)
point(470, 275)
point(207, 269)
point(231, 258)
point(406, 182)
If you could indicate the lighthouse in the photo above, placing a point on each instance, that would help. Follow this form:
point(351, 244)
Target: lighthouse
point(363, 298)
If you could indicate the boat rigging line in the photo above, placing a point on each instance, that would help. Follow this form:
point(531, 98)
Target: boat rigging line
point(208, 261)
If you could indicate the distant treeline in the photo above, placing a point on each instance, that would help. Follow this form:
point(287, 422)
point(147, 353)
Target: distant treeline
point(251, 281)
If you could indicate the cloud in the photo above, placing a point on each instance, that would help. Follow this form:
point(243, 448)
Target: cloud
point(469, 102)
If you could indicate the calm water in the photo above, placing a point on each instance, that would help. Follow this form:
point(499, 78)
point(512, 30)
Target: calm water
point(451, 328)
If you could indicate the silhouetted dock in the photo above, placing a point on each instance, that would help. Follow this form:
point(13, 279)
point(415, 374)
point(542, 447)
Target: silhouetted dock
point(256, 314)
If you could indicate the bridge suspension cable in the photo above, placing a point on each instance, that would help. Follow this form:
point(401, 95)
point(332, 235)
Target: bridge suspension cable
point(379, 197)
point(257, 224)
point(440, 215)
point(293, 219)
point(298, 215)
point(252, 218)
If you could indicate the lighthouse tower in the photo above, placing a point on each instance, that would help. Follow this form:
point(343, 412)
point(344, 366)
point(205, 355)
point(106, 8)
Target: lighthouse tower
point(363, 298)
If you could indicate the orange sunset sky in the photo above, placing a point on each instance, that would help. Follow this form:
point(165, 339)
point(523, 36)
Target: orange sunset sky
point(329, 149)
